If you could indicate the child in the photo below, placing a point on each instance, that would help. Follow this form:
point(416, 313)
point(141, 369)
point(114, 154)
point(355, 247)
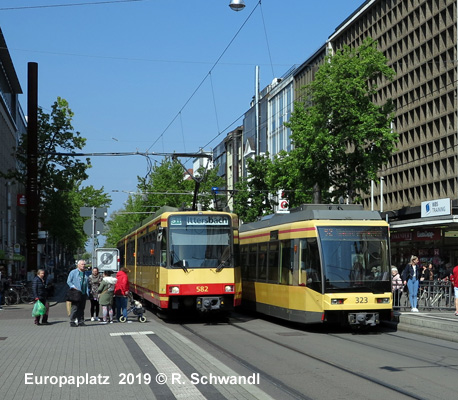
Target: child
point(106, 291)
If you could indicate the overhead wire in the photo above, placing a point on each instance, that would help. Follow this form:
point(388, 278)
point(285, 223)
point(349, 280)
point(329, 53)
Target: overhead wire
point(92, 3)
point(206, 76)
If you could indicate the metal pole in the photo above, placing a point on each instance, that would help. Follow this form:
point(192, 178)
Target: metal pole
point(94, 261)
point(257, 110)
point(32, 166)
point(372, 195)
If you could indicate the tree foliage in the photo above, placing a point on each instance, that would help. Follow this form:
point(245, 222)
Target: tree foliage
point(253, 195)
point(341, 136)
point(60, 176)
point(164, 186)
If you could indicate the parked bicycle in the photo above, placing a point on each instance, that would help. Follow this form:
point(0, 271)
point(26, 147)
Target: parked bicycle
point(11, 297)
point(24, 292)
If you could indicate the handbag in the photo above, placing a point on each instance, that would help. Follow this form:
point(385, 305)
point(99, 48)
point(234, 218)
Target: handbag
point(74, 295)
point(39, 309)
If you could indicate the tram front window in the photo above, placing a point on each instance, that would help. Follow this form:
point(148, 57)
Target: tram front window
point(200, 247)
point(355, 258)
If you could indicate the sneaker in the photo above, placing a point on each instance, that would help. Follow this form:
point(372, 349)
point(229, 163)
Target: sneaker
point(97, 318)
point(92, 319)
point(456, 313)
point(81, 323)
point(111, 321)
point(73, 325)
point(414, 309)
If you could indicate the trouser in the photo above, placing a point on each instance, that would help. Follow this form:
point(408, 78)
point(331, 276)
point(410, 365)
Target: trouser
point(121, 305)
point(107, 311)
point(412, 285)
point(95, 307)
point(397, 297)
point(44, 318)
point(77, 310)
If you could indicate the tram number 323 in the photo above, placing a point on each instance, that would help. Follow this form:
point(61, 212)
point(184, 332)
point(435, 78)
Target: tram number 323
point(202, 289)
point(361, 300)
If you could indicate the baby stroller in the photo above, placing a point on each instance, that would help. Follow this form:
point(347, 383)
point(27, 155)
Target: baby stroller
point(136, 308)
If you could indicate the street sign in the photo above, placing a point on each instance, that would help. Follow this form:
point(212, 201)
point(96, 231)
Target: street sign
point(85, 211)
point(87, 227)
point(98, 212)
point(107, 259)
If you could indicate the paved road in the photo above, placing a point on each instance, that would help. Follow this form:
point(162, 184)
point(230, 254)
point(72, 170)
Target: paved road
point(115, 361)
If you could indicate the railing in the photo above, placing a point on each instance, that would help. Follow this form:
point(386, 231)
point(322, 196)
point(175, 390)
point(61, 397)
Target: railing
point(432, 295)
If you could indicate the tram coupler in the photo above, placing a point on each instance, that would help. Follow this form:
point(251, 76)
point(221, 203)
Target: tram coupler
point(209, 303)
point(363, 319)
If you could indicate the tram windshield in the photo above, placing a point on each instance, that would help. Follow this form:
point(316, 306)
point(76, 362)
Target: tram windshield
point(355, 258)
point(200, 241)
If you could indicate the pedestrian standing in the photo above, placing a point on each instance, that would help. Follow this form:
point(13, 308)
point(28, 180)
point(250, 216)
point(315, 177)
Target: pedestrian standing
point(396, 287)
point(411, 277)
point(40, 293)
point(3, 284)
point(454, 279)
point(94, 281)
point(121, 292)
point(77, 280)
point(106, 293)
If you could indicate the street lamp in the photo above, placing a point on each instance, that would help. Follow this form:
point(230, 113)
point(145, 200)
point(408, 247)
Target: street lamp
point(237, 5)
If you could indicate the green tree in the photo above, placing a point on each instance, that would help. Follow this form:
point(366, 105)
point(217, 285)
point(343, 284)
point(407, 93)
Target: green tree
point(165, 186)
point(254, 196)
point(124, 220)
point(341, 136)
point(60, 176)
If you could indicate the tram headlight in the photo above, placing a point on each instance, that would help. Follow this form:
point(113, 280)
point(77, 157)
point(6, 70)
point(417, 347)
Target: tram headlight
point(337, 301)
point(174, 289)
point(383, 300)
point(229, 288)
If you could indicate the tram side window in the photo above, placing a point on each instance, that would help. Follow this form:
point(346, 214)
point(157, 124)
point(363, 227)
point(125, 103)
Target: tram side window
point(252, 255)
point(244, 266)
point(130, 253)
point(272, 269)
point(309, 261)
point(262, 262)
point(287, 262)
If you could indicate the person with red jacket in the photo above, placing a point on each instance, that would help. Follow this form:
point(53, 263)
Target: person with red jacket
point(454, 279)
point(121, 292)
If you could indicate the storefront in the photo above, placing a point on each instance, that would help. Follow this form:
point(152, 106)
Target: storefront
point(433, 237)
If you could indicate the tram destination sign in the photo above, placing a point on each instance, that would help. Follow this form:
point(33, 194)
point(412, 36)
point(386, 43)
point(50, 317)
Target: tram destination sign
point(200, 220)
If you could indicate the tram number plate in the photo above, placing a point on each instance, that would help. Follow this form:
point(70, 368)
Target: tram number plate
point(202, 289)
point(361, 300)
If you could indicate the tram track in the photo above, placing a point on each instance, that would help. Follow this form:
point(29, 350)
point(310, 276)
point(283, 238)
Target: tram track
point(283, 387)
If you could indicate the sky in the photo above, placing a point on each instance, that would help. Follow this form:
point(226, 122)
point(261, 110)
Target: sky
point(158, 76)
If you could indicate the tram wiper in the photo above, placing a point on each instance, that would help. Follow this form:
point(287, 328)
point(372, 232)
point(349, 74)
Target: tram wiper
point(179, 263)
point(223, 263)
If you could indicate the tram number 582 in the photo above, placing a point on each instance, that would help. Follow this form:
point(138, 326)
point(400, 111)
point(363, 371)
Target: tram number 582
point(201, 289)
point(360, 300)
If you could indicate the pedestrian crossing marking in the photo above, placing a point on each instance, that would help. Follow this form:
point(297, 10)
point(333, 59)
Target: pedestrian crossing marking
point(132, 333)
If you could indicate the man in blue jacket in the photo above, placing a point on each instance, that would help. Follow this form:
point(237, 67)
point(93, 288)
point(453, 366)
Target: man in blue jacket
point(77, 279)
